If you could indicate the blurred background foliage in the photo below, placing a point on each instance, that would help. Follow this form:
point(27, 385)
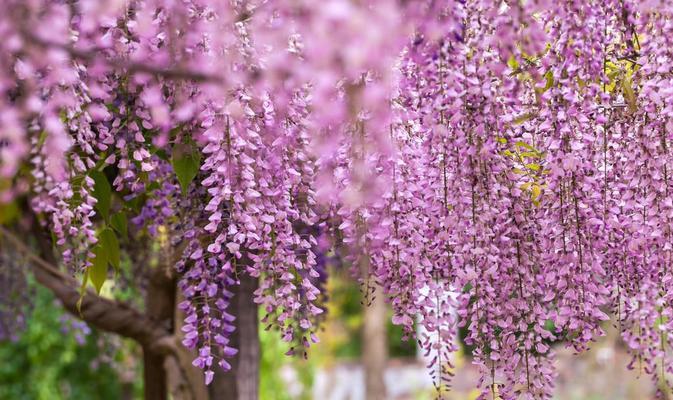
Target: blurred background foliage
point(340, 340)
point(341, 336)
point(57, 357)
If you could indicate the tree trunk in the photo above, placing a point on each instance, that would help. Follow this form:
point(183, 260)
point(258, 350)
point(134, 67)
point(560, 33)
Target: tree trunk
point(154, 376)
point(242, 382)
point(375, 347)
point(160, 306)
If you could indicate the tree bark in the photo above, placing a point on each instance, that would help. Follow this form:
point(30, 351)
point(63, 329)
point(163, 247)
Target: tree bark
point(185, 382)
point(242, 382)
point(159, 307)
point(375, 347)
point(154, 376)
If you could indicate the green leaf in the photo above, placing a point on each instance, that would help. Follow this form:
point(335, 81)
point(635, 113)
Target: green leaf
point(533, 166)
point(120, 224)
point(98, 271)
point(102, 192)
point(110, 245)
point(186, 161)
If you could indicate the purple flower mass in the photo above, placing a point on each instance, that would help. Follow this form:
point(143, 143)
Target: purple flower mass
point(508, 159)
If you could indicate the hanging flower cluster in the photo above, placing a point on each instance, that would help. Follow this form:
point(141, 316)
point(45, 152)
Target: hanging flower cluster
point(506, 160)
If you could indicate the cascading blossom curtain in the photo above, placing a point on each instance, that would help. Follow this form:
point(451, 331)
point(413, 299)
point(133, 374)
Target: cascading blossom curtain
point(513, 152)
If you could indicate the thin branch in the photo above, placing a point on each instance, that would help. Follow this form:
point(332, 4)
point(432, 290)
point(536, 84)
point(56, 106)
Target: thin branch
point(130, 66)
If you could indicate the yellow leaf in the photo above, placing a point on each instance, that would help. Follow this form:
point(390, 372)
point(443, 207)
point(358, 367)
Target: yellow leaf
point(610, 87)
point(611, 67)
point(532, 154)
point(513, 63)
point(549, 81)
point(525, 145)
point(523, 118)
point(629, 94)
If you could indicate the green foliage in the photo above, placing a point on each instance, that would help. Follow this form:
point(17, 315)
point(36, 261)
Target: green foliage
point(344, 318)
point(341, 339)
point(398, 346)
point(271, 386)
point(47, 364)
point(345, 321)
point(273, 359)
